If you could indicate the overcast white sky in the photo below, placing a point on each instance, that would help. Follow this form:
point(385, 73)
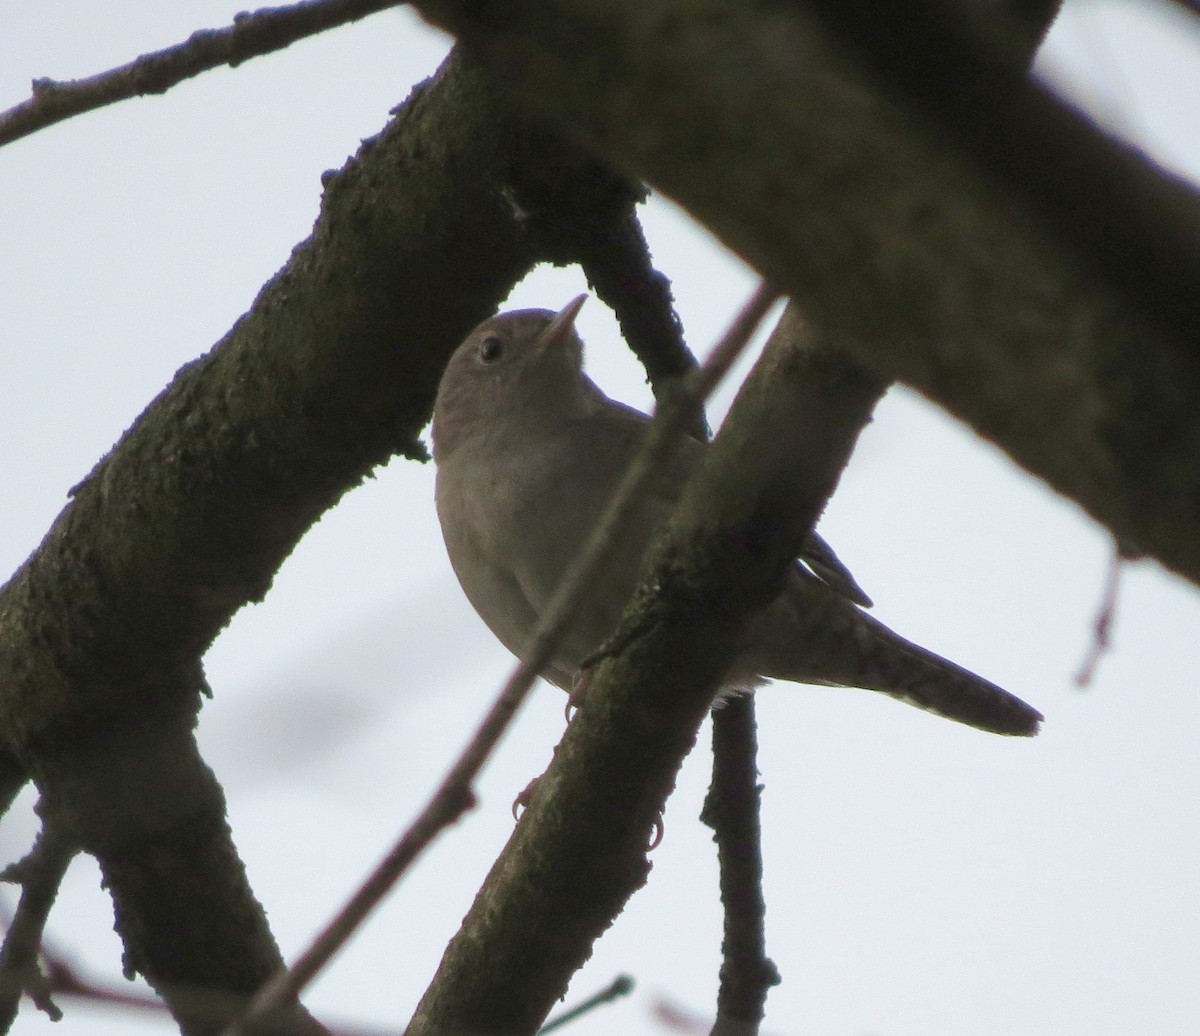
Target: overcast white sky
point(923, 879)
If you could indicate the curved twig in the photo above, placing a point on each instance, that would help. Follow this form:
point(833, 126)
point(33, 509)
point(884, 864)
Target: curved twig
point(39, 874)
point(251, 35)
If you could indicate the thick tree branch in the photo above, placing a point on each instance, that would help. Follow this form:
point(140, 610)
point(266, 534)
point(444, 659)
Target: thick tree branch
point(251, 35)
point(455, 794)
point(579, 851)
point(893, 236)
point(1137, 233)
point(330, 373)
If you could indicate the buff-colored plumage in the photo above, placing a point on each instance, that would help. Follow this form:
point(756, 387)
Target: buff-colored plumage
point(529, 451)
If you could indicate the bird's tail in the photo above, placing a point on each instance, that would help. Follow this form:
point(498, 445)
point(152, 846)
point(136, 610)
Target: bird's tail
point(910, 673)
point(830, 641)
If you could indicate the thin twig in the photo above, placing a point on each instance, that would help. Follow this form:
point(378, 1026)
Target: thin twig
point(67, 982)
point(40, 873)
point(1105, 617)
point(454, 796)
point(731, 809)
point(621, 986)
point(672, 1016)
point(251, 35)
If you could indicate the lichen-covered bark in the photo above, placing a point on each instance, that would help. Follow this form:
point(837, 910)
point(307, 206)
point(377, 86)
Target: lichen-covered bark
point(893, 235)
point(331, 372)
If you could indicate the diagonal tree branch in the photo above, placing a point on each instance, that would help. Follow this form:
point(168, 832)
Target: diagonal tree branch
point(330, 373)
point(893, 236)
point(737, 530)
point(455, 794)
point(251, 35)
point(1135, 231)
point(621, 986)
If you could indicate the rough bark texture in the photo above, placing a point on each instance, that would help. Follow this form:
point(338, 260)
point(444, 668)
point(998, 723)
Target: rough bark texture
point(732, 810)
point(881, 219)
point(893, 234)
point(331, 372)
point(579, 851)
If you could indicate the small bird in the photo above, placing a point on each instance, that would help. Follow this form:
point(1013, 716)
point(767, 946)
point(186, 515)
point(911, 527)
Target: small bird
point(529, 451)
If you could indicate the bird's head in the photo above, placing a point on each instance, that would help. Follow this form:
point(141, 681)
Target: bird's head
point(514, 365)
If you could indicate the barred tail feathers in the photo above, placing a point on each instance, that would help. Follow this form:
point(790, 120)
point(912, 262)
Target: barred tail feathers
point(811, 635)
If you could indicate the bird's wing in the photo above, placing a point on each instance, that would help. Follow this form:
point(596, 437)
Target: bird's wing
point(620, 423)
point(817, 555)
point(827, 566)
point(564, 493)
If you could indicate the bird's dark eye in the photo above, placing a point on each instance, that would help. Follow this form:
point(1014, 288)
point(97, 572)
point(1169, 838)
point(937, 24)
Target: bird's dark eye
point(490, 349)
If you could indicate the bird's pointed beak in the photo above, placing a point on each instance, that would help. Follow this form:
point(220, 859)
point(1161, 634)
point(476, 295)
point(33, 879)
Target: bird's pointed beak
point(563, 324)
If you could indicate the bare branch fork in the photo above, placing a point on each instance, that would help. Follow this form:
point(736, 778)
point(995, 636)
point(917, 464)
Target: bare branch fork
point(251, 35)
point(102, 629)
point(39, 874)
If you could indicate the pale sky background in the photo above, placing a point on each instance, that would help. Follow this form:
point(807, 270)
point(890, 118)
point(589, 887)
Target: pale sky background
point(923, 879)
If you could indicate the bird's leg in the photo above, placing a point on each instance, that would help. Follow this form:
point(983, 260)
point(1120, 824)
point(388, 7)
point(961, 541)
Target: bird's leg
point(521, 802)
point(577, 695)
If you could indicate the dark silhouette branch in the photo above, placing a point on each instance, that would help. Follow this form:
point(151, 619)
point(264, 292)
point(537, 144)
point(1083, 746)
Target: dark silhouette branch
point(602, 234)
point(12, 778)
point(251, 35)
point(39, 874)
point(1106, 617)
point(331, 372)
point(1137, 232)
point(895, 236)
point(618, 267)
point(731, 809)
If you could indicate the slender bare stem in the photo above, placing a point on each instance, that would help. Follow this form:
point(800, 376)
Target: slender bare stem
point(39, 874)
point(621, 986)
point(731, 809)
point(1105, 618)
point(251, 35)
